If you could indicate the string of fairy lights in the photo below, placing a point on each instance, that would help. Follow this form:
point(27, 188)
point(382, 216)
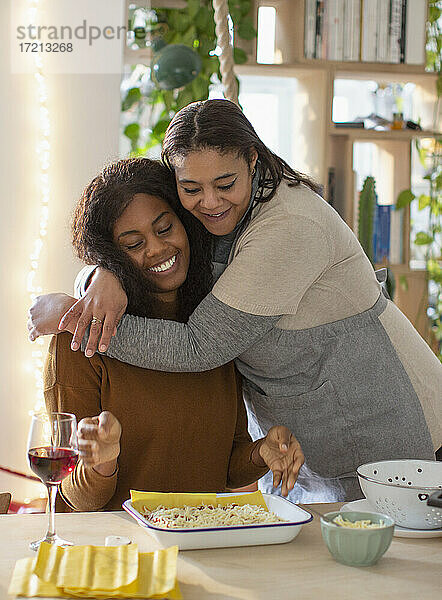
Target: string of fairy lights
point(43, 156)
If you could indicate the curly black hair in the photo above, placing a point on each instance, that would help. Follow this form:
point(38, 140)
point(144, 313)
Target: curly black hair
point(103, 202)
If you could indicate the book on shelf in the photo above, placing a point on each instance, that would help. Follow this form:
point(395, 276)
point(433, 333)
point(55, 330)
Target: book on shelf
point(310, 29)
point(415, 32)
point(369, 31)
point(382, 31)
point(381, 233)
point(403, 31)
point(351, 29)
point(331, 187)
point(385, 31)
point(334, 24)
point(396, 226)
point(395, 31)
point(319, 18)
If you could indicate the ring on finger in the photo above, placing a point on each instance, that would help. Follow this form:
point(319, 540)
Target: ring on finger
point(95, 321)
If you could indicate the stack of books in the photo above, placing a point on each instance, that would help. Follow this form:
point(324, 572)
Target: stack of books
point(386, 31)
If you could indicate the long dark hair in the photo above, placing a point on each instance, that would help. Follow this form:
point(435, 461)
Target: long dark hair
point(103, 202)
point(221, 125)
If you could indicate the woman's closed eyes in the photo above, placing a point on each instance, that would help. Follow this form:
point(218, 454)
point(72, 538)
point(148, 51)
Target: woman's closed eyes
point(220, 187)
point(162, 232)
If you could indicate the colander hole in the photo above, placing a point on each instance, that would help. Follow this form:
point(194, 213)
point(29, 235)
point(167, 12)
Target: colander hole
point(419, 470)
point(403, 478)
point(390, 479)
point(396, 477)
point(409, 483)
point(375, 472)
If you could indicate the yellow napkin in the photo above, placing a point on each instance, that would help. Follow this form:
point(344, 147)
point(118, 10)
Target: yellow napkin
point(152, 500)
point(97, 572)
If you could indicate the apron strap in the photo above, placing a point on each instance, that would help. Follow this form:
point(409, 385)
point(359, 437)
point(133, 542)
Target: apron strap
point(381, 276)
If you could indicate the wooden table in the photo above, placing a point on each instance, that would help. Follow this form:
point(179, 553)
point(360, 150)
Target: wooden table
point(302, 569)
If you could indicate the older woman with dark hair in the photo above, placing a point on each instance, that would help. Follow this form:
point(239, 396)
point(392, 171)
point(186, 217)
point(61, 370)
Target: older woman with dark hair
point(148, 429)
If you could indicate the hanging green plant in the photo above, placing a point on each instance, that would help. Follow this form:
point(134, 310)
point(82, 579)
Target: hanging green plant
point(430, 157)
point(149, 109)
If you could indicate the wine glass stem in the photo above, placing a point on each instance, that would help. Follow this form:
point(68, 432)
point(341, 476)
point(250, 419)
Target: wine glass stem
point(52, 494)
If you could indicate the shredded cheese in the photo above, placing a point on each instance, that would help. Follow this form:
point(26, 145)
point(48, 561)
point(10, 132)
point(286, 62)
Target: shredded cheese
point(363, 524)
point(192, 517)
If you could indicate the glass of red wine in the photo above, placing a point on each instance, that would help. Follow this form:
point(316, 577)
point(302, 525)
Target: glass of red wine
point(52, 455)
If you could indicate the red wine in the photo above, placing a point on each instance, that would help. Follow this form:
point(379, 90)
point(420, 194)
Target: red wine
point(52, 465)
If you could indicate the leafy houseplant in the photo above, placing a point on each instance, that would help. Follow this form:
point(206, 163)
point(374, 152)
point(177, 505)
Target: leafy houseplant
point(147, 108)
point(430, 157)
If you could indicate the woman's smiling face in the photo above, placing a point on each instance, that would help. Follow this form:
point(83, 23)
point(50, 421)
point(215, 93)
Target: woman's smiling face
point(151, 234)
point(215, 187)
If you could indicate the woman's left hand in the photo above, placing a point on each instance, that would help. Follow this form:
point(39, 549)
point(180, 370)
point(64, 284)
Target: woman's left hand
point(282, 453)
point(45, 313)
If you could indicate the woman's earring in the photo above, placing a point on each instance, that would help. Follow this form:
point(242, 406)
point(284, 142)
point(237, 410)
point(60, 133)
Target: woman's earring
point(253, 172)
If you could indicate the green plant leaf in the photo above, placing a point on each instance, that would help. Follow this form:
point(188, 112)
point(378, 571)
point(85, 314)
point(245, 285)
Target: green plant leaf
point(235, 14)
point(133, 95)
point(422, 153)
point(189, 36)
point(245, 29)
point(132, 131)
point(202, 18)
point(245, 7)
point(403, 282)
point(179, 21)
point(239, 56)
point(422, 239)
point(434, 269)
point(424, 201)
point(184, 98)
point(404, 199)
point(200, 88)
point(160, 128)
point(193, 6)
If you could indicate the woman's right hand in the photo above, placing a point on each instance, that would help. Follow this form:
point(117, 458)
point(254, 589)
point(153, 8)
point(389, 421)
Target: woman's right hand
point(99, 442)
point(106, 301)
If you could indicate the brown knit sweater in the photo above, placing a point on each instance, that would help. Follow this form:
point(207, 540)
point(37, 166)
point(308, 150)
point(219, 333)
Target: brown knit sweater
point(183, 432)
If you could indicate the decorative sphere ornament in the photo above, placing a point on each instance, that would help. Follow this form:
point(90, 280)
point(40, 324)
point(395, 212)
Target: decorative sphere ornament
point(175, 65)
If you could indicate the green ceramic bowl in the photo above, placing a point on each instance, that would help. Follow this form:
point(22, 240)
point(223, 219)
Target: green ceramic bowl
point(357, 547)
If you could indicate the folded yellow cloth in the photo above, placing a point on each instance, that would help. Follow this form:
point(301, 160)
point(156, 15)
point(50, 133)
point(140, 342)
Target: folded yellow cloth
point(152, 500)
point(97, 572)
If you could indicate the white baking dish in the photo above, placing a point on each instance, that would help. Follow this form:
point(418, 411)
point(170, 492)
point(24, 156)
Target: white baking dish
point(225, 537)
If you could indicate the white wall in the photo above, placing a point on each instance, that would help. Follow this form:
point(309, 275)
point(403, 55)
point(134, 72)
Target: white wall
point(84, 114)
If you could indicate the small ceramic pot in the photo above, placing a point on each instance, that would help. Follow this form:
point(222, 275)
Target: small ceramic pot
point(357, 547)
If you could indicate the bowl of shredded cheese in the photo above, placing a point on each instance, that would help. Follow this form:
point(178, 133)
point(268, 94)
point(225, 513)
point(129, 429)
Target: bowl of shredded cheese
point(358, 539)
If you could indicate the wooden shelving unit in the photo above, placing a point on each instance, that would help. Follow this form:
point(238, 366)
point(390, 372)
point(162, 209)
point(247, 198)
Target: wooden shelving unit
point(331, 147)
point(326, 146)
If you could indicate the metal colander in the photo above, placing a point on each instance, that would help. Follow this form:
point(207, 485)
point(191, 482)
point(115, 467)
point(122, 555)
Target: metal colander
point(401, 488)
